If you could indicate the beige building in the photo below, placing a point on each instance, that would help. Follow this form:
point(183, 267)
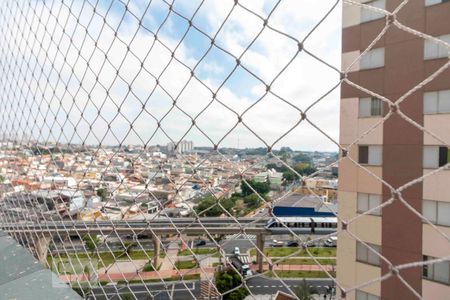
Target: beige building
point(395, 151)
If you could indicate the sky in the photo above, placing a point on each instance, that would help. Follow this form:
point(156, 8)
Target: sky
point(83, 71)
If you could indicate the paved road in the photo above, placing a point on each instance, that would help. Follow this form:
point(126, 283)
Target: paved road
point(227, 244)
point(263, 285)
point(174, 290)
point(194, 289)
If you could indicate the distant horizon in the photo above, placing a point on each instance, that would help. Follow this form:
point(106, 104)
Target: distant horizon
point(195, 147)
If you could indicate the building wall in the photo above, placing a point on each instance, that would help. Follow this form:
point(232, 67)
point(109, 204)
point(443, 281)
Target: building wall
point(402, 235)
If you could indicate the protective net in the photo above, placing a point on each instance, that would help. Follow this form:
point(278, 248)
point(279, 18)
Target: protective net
point(100, 180)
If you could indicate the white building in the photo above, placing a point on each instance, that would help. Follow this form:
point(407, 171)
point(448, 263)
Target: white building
point(182, 147)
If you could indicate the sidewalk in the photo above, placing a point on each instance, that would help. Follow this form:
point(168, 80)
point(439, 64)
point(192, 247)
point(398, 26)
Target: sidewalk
point(172, 273)
point(171, 256)
point(134, 275)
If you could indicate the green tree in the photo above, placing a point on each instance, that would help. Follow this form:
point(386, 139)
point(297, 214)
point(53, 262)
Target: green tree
point(305, 291)
point(102, 193)
point(239, 205)
point(238, 294)
point(215, 210)
point(289, 175)
point(87, 271)
point(2, 178)
point(261, 188)
point(301, 158)
point(227, 280)
point(304, 169)
point(91, 242)
point(252, 201)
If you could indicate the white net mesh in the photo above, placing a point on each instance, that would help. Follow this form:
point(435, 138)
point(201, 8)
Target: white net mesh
point(99, 180)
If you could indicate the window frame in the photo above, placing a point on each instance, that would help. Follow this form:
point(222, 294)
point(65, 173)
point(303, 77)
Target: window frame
point(366, 154)
point(436, 220)
point(435, 156)
point(369, 199)
point(429, 46)
point(368, 15)
point(435, 99)
point(434, 2)
point(429, 271)
point(368, 257)
point(443, 156)
point(372, 160)
point(371, 102)
point(361, 295)
point(366, 61)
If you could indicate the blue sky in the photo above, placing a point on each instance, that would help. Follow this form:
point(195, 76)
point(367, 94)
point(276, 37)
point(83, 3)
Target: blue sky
point(87, 82)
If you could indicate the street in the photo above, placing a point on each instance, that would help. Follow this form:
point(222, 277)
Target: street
point(174, 290)
point(197, 289)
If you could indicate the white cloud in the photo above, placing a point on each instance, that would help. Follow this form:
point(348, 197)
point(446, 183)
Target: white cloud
point(301, 83)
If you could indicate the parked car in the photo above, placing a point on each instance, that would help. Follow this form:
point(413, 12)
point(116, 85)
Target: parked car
point(292, 244)
point(276, 243)
point(331, 242)
point(200, 243)
point(237, 251)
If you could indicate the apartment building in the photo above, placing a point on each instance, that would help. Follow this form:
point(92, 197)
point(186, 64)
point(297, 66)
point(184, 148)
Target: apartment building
point(395, 151)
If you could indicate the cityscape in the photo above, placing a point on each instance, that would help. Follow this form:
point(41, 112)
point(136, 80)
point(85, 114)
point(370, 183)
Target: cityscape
point(225, 150)
point(143, 188)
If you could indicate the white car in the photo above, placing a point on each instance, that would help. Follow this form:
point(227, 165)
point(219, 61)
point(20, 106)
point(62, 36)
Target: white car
point(331, 242)
point(276, 243)
point(237, 251)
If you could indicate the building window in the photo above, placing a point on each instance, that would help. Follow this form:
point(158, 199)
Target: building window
point(363, 154)
point(370, 15)
point(370, 155)
point(434, 50)
point(372, 59)
point(370, 107)
point(439, 272)
point(437, 212)
point(435, 156)
point(365, 255)
point(360, 295)
point(433, 2)
point(367, 202)
point(437, 102)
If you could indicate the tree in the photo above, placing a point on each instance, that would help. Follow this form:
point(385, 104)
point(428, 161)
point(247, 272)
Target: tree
point(289, 176)
point(239, 206)
point(214, 210)
point(238, 294)
point(208, 203)
point(261, 188)
point(304, 169)
point(227, 280)
point(285, 150)
point(305, 291)
point(102, 193)
point(2, 178)
point(252, 201)
point(227, 204)
point(87, 271)
point(91, 242)
point(301, 158)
